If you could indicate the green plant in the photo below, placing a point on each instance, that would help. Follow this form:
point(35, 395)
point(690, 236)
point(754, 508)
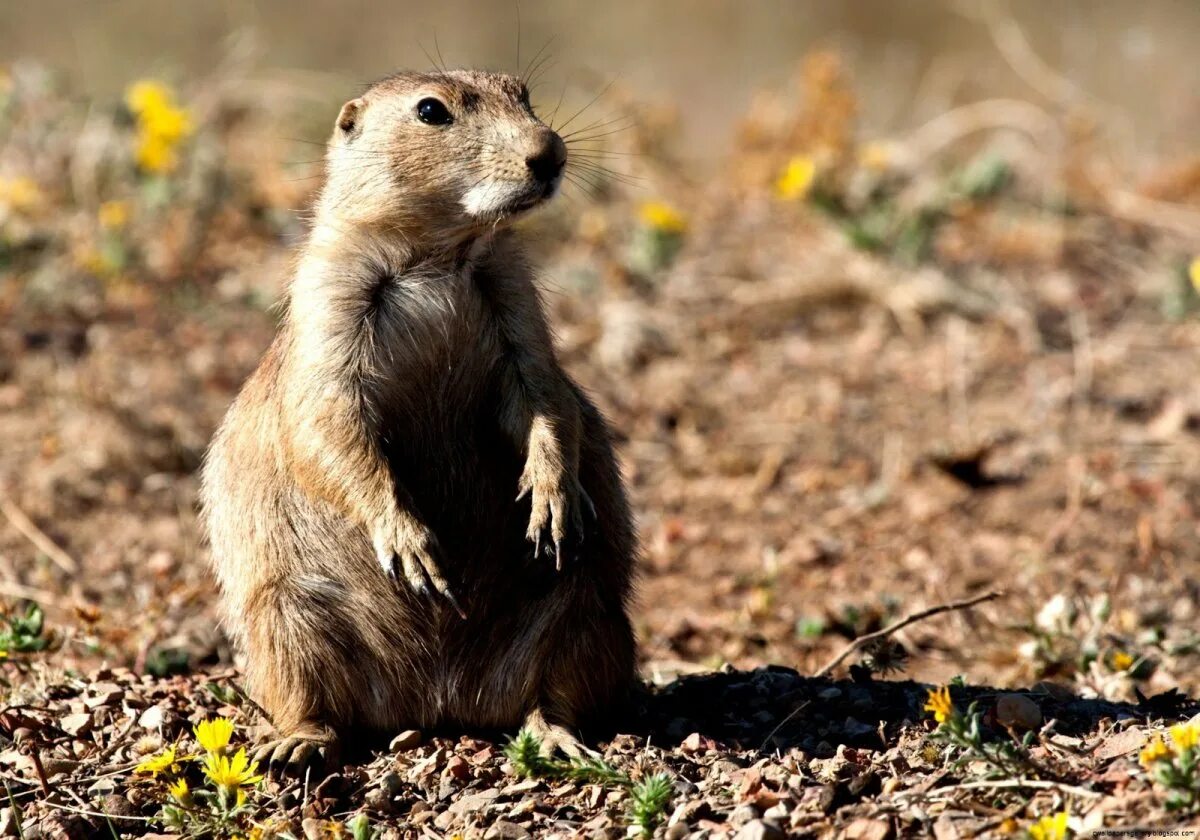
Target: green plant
point(648, 796)
point(215, 803)
point(360, 828)
point(1176, 767)
point(23, 633)
point(963, 733)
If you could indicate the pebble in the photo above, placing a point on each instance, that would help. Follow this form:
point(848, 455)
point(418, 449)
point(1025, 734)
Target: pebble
point(505, 830)
point(104, 694)
point(77, 724)
point(1018, 712)
point(406, 740)
point(744, 814)
point(868, 829)
point(760, 830)
point(152, 718)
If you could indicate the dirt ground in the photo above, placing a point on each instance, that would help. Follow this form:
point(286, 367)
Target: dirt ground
point(823, 431)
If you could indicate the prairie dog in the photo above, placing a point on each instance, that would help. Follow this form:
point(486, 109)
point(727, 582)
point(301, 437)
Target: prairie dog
point(416, 516)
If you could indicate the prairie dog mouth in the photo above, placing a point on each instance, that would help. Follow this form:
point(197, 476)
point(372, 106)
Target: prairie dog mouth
point(503, 198)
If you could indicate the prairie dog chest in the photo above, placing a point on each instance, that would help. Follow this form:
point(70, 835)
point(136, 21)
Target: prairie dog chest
point(435, 340)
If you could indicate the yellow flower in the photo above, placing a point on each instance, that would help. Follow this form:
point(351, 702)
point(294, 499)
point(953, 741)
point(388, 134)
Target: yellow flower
point(940, 704)
point(155, 155)
point(20, 194)
point(1119, 660)
point(147, 95)
point(230, 773)
point(1194, 273)
point(156, 764)
point(161, 125)
point(169, 124)
point(179, 790)
point(1153, 752)
point(1050, 827)
point(796, 179)
point(662, 217)
point(1185, 736)
point(113, 215)
point(213, 735)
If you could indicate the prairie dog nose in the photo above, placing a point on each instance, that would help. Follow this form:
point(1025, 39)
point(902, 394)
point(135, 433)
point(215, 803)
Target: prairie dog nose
point(547, 155)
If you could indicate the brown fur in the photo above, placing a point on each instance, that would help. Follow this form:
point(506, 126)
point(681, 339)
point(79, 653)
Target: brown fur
point(411, 393)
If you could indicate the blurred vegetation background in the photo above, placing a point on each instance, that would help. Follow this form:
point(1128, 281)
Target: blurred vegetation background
point(707, 58)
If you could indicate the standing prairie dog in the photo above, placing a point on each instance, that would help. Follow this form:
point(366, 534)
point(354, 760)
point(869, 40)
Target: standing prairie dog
point(416, 516)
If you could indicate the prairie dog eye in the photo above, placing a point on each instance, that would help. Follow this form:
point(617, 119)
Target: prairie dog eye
point(433, 112)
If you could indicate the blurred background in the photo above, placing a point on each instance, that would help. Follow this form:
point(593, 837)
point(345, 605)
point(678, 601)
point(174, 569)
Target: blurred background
point(708, 59)
point(890, 303)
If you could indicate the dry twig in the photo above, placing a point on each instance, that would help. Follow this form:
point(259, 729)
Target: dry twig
point(36, 535)
point(911, 618)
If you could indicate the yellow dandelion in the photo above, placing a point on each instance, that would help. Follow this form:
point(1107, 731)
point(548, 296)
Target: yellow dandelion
point(20, 194)
point(1050, 827)
point(1153, 752)
point(662, 217)
point(1120, 661)
point(155, 155)
point(939, 704)
point(113, 215)
point(1194, 273)
point(147, 95)
point(231, 773)
point(180, 791)
point(796, 180)
point(162, 125)
point(156, 764)
point(169, 124)
point(213, 735)
point(1185, 736)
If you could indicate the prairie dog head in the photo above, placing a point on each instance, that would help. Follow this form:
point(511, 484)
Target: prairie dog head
point(440, 155)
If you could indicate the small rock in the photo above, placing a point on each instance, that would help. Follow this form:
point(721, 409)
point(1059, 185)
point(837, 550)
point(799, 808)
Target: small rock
point(392, 783)
point(104, 694)
point(777, 813)
point(760, 830)
point(693, 743)
point(677, 831)
point(76, 725)
point(744, 814)
point(1018, 711)
point(689, 812)
point(458, 768)
point(831, 693)
point(8, 822)
point(474, 803)
point(313, 828)
point(406, 740)
point(504, 830)
point(819, 798)
point(331, 787)
point(867, 829)
point(103, 787)
point(152, 718)
point(378, 799)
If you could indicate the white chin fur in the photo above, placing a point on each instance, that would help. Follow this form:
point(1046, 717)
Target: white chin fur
point(489, 197)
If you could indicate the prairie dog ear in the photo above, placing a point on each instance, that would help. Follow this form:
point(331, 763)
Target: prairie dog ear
point(348, 117)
